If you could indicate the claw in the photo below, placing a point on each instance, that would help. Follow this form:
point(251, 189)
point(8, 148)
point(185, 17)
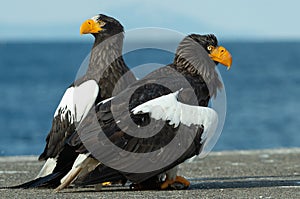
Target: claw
point(98, 187)
point(178, 183)
point(106, 184)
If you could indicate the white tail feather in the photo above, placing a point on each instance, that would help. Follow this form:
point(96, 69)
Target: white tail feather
point(47, 168)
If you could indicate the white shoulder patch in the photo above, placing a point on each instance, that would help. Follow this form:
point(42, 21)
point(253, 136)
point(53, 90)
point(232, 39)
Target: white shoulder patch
point(78, 100)
point(167, 107)
point(66, 102)
point(164, 107)
point(84, 98)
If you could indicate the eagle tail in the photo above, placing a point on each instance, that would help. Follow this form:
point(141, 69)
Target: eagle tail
point(50, 181)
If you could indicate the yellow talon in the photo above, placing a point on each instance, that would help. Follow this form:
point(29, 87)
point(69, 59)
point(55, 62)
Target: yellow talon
point(178, 179)
point(106, 184)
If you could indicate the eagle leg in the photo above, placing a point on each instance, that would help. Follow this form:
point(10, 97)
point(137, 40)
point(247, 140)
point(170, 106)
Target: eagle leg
point(178, 183)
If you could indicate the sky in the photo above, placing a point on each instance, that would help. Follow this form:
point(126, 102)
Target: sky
point(230, 19)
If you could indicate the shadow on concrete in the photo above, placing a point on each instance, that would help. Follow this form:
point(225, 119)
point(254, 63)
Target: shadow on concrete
point(245, 182)
point(217, 183)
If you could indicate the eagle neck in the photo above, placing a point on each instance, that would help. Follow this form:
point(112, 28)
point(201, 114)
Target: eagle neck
point(192, 59)
point(106, 58)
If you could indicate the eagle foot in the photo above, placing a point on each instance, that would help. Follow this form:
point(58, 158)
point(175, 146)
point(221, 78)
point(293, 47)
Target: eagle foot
point(98, 187)
point(106, 184)
point(178, 183)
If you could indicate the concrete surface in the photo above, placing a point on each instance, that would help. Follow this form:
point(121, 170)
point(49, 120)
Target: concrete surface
point(233, 174)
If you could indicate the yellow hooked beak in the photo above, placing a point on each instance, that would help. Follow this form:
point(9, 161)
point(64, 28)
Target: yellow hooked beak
point(221, 55)
point(90, 26)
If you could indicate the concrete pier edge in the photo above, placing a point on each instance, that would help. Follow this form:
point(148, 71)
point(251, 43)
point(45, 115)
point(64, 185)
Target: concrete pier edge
point(270, 173)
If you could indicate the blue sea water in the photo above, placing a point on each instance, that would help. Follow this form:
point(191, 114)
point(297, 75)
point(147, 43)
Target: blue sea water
point(262, 88)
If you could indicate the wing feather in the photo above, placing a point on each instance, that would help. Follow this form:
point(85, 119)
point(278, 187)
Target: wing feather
point(74, 106)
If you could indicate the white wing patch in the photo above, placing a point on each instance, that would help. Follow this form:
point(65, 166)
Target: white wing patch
point(168, 108)
point(84, 98)
point(78, 100)
point(164, 107)
point(66, 103)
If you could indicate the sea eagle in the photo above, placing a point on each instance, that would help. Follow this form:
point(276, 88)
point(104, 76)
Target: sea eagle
point(129, 132)
point(107, 75)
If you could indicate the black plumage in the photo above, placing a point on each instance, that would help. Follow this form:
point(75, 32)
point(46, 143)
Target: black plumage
point(106, 66)
point(192, 72)
point(108, 69)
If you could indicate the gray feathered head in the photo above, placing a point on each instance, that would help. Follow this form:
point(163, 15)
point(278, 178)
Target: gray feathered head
point(199, 54)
